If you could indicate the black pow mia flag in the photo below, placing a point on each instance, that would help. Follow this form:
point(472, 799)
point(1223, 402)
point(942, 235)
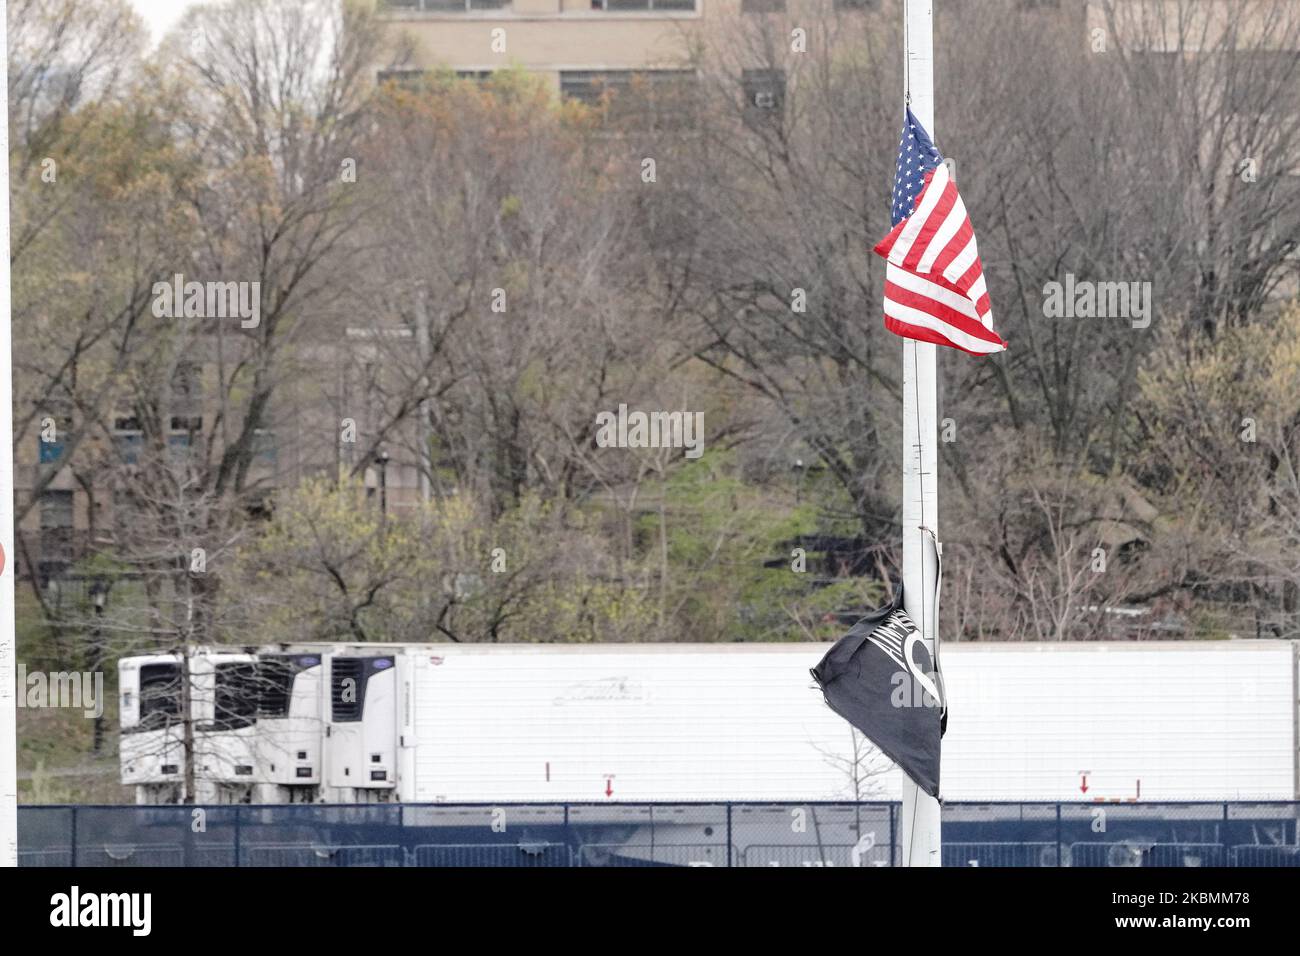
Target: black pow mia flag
point(879, 677)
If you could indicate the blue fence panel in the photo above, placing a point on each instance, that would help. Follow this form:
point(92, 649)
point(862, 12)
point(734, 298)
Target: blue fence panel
point(493, 854)
point(656, 834)
point(153, 836)
point(45, 836)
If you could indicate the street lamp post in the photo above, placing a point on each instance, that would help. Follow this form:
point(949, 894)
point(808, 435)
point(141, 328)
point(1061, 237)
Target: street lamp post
point(381, 460)
point(98, 599)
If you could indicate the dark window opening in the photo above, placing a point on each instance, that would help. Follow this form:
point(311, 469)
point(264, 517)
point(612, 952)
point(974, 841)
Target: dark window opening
point(445, 6)
point(625, 6)
point(160, 695)
point(646, 99)
point(348, 679)
point(276, 675)
point(764, 91)
point(346, 688)
point(275, 687)
point(236, 698)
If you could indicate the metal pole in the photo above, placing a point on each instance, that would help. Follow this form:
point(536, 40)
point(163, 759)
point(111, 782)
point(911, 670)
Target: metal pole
point(1058, 835)
point(1223, 837)
point(893, 836)
point(920, 812)
point(8, 713)
point(729, 862)
point(423, 347)
point(99, 597)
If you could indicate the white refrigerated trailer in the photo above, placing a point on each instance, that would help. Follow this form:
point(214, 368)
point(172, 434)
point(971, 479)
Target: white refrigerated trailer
point(448, 723)
point(220, 742)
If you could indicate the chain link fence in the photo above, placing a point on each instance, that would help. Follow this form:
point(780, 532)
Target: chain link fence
point(640, 835)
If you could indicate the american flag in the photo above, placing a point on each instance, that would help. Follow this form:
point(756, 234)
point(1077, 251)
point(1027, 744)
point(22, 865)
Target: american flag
point(934, 282)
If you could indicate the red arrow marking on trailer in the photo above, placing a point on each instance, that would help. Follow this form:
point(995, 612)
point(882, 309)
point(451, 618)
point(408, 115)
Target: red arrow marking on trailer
point(609, 786)
point(1084, 786)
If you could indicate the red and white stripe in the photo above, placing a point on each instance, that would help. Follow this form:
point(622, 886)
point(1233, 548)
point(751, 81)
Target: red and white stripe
point(934, 282)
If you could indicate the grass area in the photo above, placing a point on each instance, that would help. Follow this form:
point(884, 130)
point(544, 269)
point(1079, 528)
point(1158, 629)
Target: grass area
point(56, 761)
point(56, 758)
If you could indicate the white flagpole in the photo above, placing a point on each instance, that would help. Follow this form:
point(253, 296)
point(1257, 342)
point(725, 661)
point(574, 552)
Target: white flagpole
point(8, 647)
point(920, 818)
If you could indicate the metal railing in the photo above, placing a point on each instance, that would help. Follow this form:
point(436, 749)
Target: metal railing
point(656, 834)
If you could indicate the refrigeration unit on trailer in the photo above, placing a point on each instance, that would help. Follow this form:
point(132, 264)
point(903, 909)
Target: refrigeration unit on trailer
point(153, 753)
point(225, 720)
point(259, 723)
point(290, 728)
point(151, 748)
point(361, 726)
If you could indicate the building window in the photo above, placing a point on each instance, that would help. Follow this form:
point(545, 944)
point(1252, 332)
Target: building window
point(857, 4)
point(416, 80)
point(56, 509)
point(187, 388)
point(593, 86)
point(445, 6)
point(128, 436)
point(180, 445)
point(406, 79)
point(655, 99)
point(764, 91)
point(51, 451)
point(265, 449)
point(1260, 82)
point(55, 426)
point(632, 6)
point(764, 6)
point(56, 532)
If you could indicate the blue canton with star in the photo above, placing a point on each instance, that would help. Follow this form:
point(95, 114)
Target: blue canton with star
point(916, 157)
